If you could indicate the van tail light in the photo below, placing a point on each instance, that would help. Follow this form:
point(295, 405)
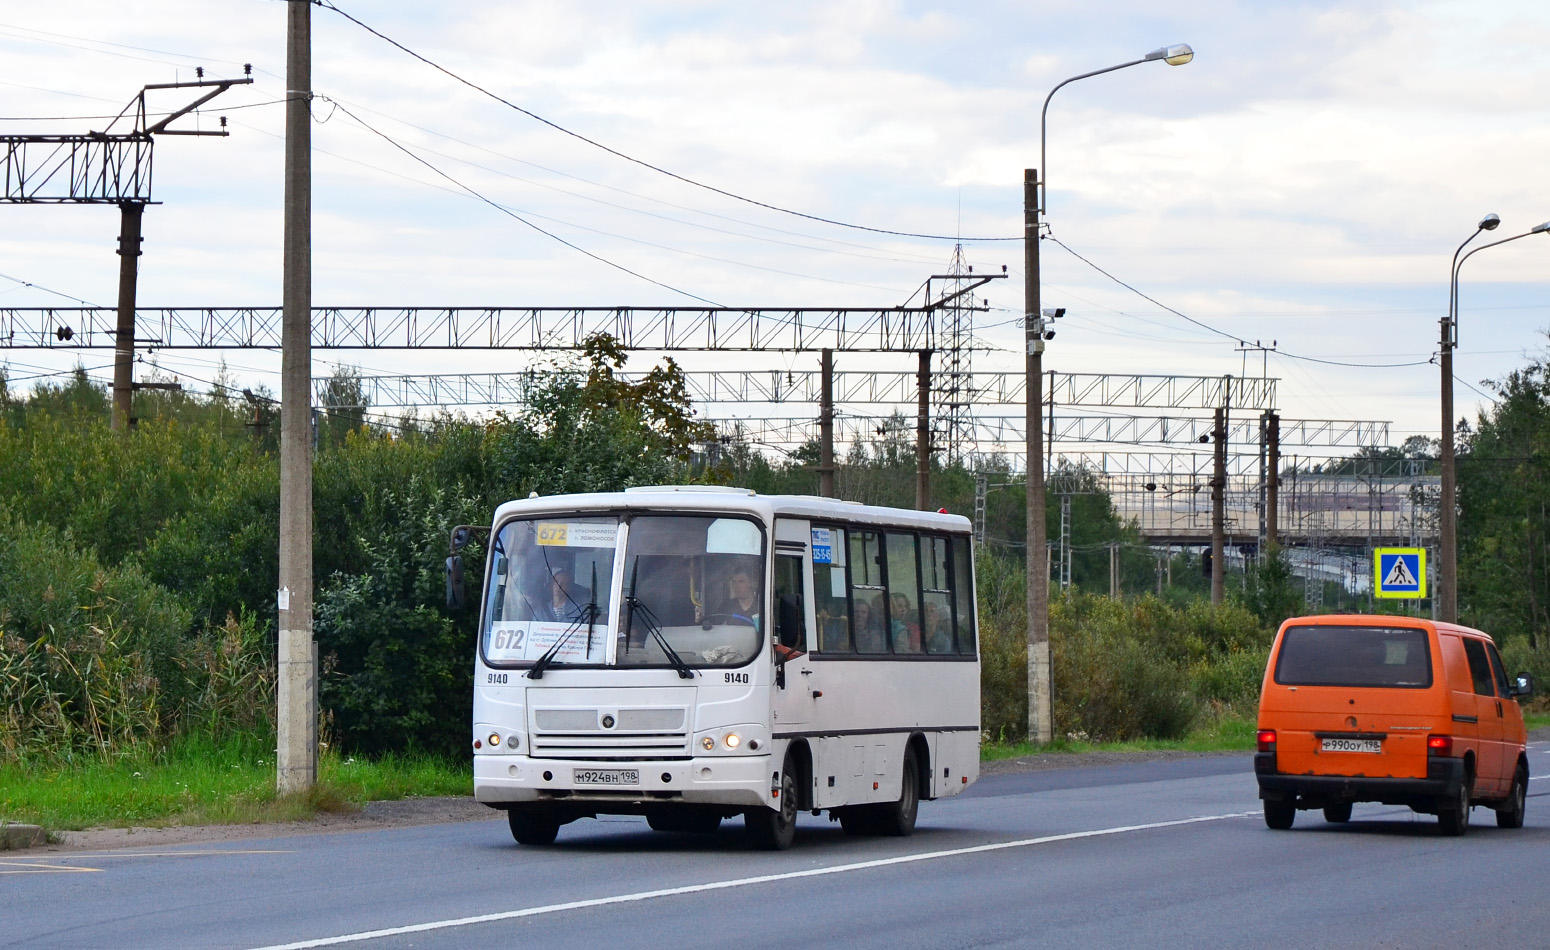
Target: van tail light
point(1439, 745)
point(1267, 740)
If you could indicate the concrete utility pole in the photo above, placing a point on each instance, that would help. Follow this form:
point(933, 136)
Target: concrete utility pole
point(131, 214)
point(296, 759)
point(1272, 479)
point(1218, 513)
point(1040, 687)
point(923, 433)
point(826, 427)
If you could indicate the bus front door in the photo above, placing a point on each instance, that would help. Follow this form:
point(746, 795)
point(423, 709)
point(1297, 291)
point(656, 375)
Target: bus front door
point(794, 695)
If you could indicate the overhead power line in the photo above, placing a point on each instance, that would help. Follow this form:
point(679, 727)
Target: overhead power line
point(1219, 332)
point(507, 211)
point(642, 162)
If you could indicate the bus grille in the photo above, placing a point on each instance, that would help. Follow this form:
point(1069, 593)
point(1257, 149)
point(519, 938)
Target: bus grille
point(636, 734)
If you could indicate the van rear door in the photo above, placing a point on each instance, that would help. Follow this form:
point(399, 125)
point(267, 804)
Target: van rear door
point(1352, 700)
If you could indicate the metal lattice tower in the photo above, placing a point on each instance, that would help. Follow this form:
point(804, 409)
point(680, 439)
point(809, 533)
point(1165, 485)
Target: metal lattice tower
point(954, 382)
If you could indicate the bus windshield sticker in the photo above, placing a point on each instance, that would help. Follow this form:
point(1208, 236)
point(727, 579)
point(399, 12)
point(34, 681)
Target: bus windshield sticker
point(575, 535)
point(518, 640)
point(731, 536)
point(823, 551)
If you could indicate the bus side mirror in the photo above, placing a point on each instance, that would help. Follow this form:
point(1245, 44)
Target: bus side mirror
point(455, 594)
point(1524, 687)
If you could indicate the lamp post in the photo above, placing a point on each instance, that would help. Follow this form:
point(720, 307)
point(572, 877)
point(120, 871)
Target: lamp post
point(1447, 516)
point(1040, 718)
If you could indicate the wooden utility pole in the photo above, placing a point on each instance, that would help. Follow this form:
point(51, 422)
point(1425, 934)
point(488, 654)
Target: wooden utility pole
point(826, 426)
point(296, 760)
point(923, 432)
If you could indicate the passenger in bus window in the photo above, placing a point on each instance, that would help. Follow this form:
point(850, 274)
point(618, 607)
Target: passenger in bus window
point(904, 627)
point(939, 629)
point(869, 627)
point(834, 632)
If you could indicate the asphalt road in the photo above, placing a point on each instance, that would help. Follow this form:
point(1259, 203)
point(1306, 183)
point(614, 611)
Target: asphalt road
point(1169, 853)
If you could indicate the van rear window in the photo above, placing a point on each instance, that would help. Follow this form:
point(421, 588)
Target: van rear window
point(1390, 657)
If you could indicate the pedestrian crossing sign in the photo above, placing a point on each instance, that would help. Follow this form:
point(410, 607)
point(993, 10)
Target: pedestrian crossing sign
point(1399, 572)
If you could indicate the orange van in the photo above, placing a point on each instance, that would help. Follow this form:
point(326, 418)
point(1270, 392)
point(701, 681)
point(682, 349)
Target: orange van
point(1396, 710)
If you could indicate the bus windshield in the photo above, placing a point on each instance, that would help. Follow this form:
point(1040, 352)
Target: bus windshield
point(550, 584)
point(692, 592)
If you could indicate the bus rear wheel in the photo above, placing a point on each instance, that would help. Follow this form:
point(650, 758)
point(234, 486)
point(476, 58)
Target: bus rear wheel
point(889, 818)
point(898, 818)
point(774, 829)
point(529, 827)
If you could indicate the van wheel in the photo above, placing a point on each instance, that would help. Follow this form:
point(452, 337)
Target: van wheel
point(1453, 816)
point(774, 829)
point(1338, 814)
point(898, 818)
point(530, 828)
point(1510, 814)
point(1279, 815)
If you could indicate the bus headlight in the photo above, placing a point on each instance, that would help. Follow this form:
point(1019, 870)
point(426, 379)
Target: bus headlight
point(708, 744)
point(495, 740)
point(511, 741)
point(732, 740)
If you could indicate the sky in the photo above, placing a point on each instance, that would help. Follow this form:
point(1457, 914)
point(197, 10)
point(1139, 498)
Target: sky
point(1305, 180)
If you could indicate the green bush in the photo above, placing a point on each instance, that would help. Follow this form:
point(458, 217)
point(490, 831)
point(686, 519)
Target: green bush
point(1114, 682)
point(396, 668)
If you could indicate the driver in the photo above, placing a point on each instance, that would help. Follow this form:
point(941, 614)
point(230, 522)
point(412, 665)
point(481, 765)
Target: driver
point(744, 599)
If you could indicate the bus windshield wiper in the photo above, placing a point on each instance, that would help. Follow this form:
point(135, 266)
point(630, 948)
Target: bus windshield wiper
point(588, 617)
point(654, 629)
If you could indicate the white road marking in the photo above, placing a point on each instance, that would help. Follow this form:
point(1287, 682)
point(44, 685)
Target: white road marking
point(172, 854)
point(29, 867)
point(739, 882)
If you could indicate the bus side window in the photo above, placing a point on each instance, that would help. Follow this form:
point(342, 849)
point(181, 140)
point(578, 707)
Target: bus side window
point(831, 597)
point(903, 593)
point(869, 611)
point(936, 597)
point(963, 595)
point(790, 614)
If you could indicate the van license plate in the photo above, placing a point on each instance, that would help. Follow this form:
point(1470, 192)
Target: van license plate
point(606, 776)
point(1353, 745)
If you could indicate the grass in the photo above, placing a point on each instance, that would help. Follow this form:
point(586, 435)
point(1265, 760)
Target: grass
point(196, 783)
point(1226, 734)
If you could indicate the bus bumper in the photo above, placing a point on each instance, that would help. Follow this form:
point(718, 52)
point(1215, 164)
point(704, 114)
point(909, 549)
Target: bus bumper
point(742, 781)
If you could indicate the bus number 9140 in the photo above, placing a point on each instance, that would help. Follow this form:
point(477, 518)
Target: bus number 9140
point(735, 677)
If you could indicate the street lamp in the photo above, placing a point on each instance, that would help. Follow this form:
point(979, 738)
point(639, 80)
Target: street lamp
point(1040, 718)
point(1447, 607)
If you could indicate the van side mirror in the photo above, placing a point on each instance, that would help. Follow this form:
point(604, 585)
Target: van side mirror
point(1524, 687)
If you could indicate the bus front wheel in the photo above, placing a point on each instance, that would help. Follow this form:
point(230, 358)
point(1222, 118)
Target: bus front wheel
point(774, 829)
point(529, 827)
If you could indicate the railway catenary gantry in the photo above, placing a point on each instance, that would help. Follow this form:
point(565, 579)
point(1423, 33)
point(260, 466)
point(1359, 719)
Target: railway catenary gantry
point(664, 329)
point(881, 387)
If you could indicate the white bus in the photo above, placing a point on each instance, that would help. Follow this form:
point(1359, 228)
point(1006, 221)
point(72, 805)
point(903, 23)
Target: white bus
point(691, 653)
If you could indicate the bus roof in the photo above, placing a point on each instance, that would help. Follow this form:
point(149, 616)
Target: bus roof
point(724, 498)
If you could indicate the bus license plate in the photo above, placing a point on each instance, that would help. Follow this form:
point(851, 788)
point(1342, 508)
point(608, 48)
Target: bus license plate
point(1353, 745)
point(606, 776)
